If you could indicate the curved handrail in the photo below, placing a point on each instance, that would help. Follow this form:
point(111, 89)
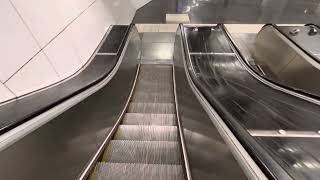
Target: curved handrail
point(30, 115)
point(248, 164)
point(23, 128)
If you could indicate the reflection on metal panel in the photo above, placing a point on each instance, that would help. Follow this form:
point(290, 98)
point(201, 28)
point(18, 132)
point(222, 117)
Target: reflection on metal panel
point(208, 153)
point(285, 63)
point(307, 37)
point(245, 102)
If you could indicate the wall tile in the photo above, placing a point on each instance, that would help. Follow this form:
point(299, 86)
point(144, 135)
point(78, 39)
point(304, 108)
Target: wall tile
point(47, 18)
point(17, 45)
point(88, 30)
point(5, 94)
point(71, 9)
point(62, 55)
point(42, 17)
point(37, 74)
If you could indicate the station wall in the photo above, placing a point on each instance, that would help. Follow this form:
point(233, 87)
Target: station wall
point(45, 41)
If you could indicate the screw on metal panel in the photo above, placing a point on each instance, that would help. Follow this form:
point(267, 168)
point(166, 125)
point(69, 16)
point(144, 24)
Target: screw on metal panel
point(294, 31)
point(318, 132)
point(195, 29)
point(283, 132)
point(313, 31)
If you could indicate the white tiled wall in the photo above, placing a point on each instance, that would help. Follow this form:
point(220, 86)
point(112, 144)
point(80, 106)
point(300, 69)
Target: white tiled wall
point(36, 74)
point(17, 45)
point(45, 41)
point(87, 31)
point(5, 93)
point(62, 54)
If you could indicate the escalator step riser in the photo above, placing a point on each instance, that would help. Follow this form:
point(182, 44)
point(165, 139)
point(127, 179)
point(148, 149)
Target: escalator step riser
point(147, 133)
point(147, 152)
point(124, 171)
point(156, 108)
point(149, 119)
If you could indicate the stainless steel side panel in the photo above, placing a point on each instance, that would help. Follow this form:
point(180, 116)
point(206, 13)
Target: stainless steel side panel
point(308, 38)
point(209, 156)
point(62, 148)
point(283, 62)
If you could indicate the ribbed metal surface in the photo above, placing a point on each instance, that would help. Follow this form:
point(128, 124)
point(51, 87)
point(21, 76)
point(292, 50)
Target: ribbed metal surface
point(149, 119)
point(146, 145)
point(153, 87)
point(147, 152)
point(156, 108)
point(155, 97)
point(126, 171)
point(147, 133)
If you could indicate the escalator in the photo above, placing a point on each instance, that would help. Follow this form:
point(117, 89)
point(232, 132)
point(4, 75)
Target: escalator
point(146, 145)
point(180, 105)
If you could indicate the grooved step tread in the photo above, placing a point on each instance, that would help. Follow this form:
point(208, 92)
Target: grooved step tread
point(149, 119)
point(127, 171)
point(147, 152)
point(147, 133)
point(154, 88)
point(156, 108)
point(153, 97)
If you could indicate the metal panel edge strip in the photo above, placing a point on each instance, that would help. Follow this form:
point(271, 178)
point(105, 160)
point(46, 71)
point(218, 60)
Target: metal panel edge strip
point(84, 175)
point(258, 77)
point(284, 133)
point(180, 129)
point(26, 128)
point(246, 162)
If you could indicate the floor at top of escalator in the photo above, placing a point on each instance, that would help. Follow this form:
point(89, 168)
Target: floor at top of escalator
point(235, 11)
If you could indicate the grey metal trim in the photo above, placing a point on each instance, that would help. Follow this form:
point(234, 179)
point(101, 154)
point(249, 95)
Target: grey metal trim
point(257, 76)
point(180, 129)
point(26, 128)
point(284, 133)
point(249, 166)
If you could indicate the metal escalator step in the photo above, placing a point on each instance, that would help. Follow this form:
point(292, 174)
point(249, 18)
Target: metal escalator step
point(149, 119)
point(158, 68)
point(127, 171)
point(155, 78)
point(156, 108)
point(154, 88)
point(159, 83)
point(153, 97)
point(147, 133)
point(148, 152)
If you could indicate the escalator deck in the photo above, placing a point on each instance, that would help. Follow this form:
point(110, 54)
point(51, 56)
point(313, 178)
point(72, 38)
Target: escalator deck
point(146, 144)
